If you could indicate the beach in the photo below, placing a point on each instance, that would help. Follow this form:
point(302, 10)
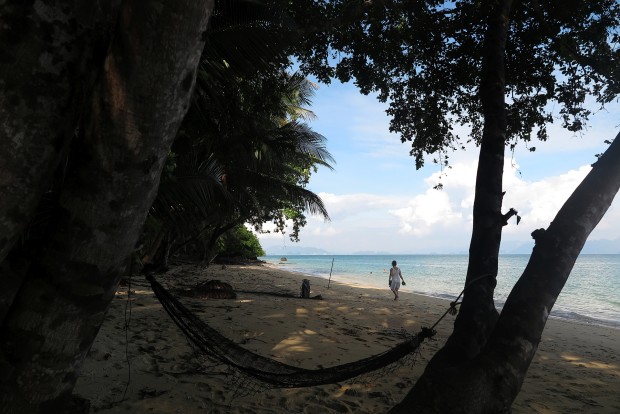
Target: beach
point(150, 367)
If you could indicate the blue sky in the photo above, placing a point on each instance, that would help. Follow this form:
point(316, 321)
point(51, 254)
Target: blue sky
point(379, 202)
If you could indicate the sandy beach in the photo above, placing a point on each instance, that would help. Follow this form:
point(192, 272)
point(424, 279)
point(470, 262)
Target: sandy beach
point(151, 368)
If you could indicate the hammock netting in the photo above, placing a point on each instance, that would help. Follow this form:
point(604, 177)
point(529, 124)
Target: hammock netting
point(273, 373)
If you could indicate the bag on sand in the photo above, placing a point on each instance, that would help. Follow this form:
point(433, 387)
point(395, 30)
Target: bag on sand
point(305, 289)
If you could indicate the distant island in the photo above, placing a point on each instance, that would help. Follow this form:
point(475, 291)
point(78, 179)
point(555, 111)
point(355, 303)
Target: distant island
point(602, 246)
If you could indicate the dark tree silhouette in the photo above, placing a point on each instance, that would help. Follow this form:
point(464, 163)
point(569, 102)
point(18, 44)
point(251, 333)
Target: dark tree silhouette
point(494, 66)
point(91, 96)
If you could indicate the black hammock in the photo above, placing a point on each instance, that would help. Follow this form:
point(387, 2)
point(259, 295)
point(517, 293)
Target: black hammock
point(274, 373)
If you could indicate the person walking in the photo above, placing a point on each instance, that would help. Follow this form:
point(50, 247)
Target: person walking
point(395, 278)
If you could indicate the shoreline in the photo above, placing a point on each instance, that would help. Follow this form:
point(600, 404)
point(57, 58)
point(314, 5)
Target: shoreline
point(556, 314)
point(576, 368)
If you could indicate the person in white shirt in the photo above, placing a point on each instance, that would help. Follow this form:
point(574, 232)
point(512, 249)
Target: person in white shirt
point(395, 277)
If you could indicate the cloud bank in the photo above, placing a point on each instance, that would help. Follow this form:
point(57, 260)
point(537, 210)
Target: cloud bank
point(439, 221)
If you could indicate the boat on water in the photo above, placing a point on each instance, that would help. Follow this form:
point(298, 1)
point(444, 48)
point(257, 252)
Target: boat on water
point(283, 259)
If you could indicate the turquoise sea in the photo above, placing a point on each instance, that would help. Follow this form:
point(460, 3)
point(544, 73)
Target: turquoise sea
point(591, 294)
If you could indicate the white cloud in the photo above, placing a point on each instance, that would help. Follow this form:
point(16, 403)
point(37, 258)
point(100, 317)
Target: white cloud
point(328, 232)
point(440, 220)
point(426, 211)
point(346, 206)
point(378, 202)
point(538, 202)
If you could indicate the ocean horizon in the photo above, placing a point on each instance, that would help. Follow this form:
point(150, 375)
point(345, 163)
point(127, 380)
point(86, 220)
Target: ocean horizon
point(591, 294)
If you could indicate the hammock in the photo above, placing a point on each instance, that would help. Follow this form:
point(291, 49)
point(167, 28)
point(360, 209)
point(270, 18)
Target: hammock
point(269, 371)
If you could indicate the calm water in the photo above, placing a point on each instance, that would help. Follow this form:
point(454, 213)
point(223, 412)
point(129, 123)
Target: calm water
point(591, 294)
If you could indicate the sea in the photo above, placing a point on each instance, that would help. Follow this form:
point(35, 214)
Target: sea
point(591, 294)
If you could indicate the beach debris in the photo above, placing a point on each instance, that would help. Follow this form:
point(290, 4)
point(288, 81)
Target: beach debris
point(213, 289)
point(305, 289)
point(148, 392)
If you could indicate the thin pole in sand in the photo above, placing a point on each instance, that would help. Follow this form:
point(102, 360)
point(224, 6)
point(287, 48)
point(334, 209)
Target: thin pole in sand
point(330, 274)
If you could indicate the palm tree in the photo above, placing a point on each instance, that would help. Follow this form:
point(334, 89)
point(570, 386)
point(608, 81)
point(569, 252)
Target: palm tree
point(243, 154)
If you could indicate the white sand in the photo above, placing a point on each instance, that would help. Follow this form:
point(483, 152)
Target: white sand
point(576, 369)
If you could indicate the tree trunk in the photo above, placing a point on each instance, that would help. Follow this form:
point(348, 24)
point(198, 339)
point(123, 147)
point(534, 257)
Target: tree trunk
point(134, 110)
point(483, 365)
point(491, 381)
point(518, 331)
point(44, 52)
point(477, 314)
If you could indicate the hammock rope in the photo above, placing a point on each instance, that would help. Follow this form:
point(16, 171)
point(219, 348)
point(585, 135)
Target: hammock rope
point(274, 373)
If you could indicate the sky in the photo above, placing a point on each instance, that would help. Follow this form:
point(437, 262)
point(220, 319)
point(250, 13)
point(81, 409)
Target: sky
point(379, 203)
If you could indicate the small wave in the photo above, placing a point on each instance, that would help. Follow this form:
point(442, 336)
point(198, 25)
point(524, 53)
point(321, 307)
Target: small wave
point(578, 317)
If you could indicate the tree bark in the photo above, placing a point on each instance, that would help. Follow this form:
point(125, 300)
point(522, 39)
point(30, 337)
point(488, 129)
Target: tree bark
point(44, 52)
point(517, 333)
point(478, 314)
point(133, 113)
point(491, 381)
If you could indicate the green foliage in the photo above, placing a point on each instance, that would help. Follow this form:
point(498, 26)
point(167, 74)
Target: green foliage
point(425, 57)
point(170, 166)
point(243, 153)
point(264, 154)
point(240, 242)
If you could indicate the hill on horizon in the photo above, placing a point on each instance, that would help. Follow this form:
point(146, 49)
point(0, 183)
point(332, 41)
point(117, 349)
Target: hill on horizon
point(602, 246)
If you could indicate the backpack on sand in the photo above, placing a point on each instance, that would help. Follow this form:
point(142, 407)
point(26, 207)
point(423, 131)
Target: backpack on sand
point(305, 289)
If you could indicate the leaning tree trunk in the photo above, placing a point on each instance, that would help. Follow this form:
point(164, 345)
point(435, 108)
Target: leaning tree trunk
point(491, 381)
point(518, 331)
point(134, 110)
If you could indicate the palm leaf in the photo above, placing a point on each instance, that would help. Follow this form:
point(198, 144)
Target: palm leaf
point(196, 194)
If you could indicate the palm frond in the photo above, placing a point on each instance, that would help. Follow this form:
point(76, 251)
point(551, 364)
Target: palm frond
point(278, 191)
point(196, 194)
point(307, 142)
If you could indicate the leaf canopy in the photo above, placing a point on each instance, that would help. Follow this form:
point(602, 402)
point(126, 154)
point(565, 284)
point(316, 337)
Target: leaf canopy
point(243, 153)
point(424, 58)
